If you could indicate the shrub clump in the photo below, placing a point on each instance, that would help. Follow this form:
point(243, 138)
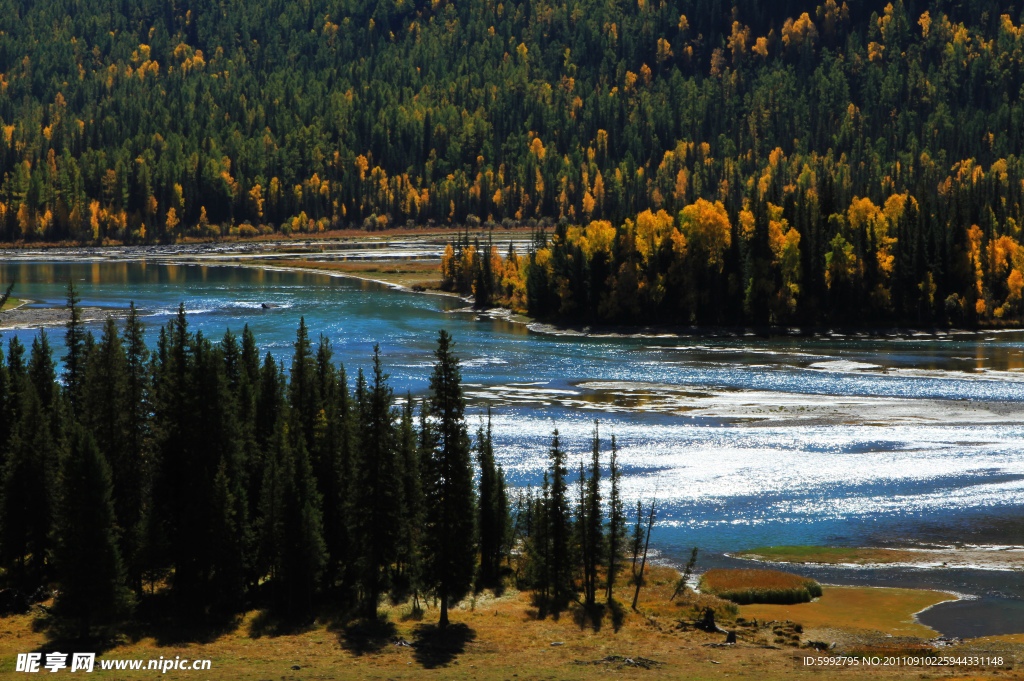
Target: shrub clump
point(759, 586)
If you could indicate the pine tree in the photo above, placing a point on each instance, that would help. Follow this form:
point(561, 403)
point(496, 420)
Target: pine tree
point(559, 527)
point(450, 535)
point(592, 531)
point(324, 454)
point(302, 386)
point(493, 510)
point(408, 576)
point(106, 412)
point(538, 547)
point(27, 504)
point(89, 568)
point(227, 531)
point(303, 553)
point(137, 446)
point(377, 489)
point(616, 521)
point(77, 356)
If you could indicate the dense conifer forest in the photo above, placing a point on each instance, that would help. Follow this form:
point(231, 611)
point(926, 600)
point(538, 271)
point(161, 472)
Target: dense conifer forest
point(782, 162)
point(195, 481)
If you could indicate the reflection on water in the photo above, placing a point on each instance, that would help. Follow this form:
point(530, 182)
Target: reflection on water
point(745, 441)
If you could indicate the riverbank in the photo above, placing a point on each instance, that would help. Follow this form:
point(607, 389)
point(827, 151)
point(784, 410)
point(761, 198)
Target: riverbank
point(12, 304)
point(25, 317)
point(965, 557)
point(499, 638)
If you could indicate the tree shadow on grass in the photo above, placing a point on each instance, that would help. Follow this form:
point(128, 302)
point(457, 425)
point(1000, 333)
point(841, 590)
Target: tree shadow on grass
point(545, 606)
point(436, 647)
point(266, 623)
point(594, 616)
point(364, 636)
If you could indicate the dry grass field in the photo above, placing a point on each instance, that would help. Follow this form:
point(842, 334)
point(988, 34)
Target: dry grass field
point(408, 273)
point(503, 639)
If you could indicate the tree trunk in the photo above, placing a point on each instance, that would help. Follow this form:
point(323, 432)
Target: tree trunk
point(444, 611)
point(643, 563)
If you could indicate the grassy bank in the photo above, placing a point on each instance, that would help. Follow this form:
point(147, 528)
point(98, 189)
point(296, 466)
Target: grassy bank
point(11, 304)
point(826, 555)
point(409, 273)
point(498, 639)
point(857, 608)
point(759, 586)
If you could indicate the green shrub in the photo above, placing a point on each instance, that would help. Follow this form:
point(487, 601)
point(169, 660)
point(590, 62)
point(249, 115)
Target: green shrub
point(759, 586)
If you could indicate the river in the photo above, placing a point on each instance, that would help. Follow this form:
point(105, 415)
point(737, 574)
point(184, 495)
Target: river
point(744, 441)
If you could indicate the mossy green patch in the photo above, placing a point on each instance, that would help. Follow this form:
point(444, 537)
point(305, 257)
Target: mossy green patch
point(11, 304)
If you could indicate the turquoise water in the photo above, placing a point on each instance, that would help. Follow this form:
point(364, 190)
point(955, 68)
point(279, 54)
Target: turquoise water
point(744, 441)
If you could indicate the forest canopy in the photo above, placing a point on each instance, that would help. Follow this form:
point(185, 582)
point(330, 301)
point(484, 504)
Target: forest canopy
point(846, 144)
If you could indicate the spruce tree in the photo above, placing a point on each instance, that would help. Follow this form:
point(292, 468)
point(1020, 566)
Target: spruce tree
point(77, 347)
point(616, 521)
point(137, 436)
point(303, 553)
point(29, 489)
point(493, 510)
point(89, 568)
point(324, 454)
point(302, 386)
point(538, 547)
point(377, 488)
point(106, 412)
point(229, 541)
point(450, 534)
point(559, 527)
point(412, 491)
point(592, 530)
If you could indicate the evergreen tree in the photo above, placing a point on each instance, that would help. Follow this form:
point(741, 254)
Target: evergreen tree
point(229, 541)
point(592, 530)
point(108, 415)
point(559, 519)
point(302, 386)
point(303, 553)
point(325, 453)
point(377, 488)
point(538, 547)
point(616, 521)
point(450, 533)
point(493, 510)
point(408, 574)
point(76, 343)
point(89, 568)
point(134, 496)
point(28, 490)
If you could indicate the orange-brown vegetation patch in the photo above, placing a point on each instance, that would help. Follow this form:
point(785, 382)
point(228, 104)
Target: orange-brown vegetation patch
point(759, 586)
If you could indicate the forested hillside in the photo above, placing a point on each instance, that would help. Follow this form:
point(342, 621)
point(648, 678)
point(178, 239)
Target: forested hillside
point(867, 148)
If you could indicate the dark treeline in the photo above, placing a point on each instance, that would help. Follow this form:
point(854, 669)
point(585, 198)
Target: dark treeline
point(195, 481)
point(215, 481)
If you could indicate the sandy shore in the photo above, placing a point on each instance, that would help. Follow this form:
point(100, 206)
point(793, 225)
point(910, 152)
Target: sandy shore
point(43, 317)
point(1006, 558)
